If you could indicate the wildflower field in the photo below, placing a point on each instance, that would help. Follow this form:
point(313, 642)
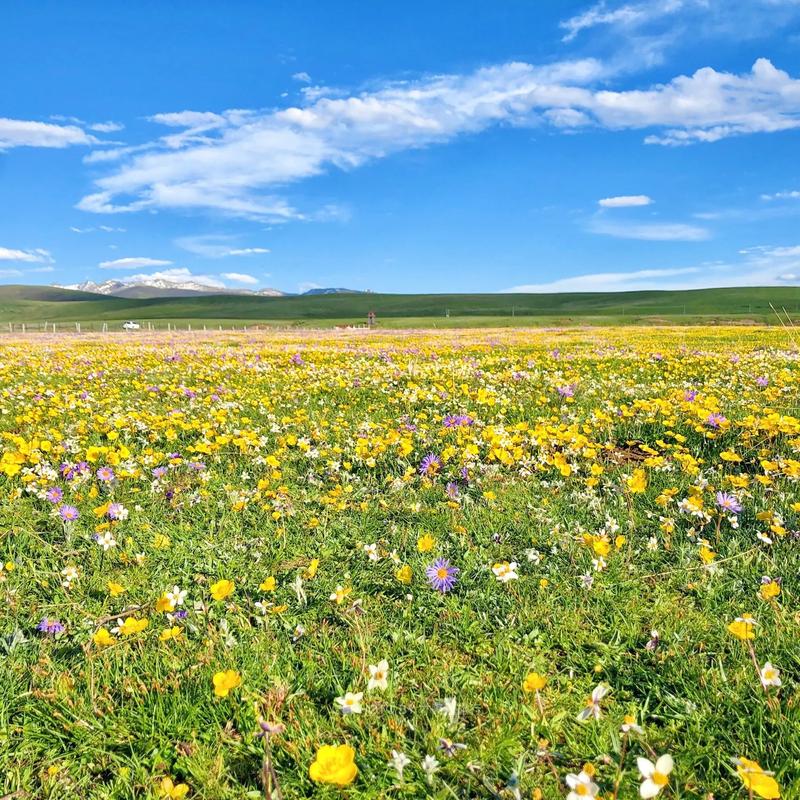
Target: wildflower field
point(496, 564)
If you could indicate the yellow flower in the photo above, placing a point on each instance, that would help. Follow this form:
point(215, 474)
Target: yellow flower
point(172, 791)
point(160, 541)
point(534, 682)
point(268, 585)
point(312, 569)
point(225, 681)
point(103, 638)
point(221, 589)
point(132, 625)
point(426, 543)
point(769, 590)
point(403, 574)
point(334, 764)
point(742, 627)
point(164, 604)
point(756, 780)
point(637, 482)
point(115, 589)
point(170, 633)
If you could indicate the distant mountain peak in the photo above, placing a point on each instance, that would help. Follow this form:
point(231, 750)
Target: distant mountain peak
point(162, 287)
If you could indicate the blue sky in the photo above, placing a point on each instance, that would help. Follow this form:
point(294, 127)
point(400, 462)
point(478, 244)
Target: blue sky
point(409, 147)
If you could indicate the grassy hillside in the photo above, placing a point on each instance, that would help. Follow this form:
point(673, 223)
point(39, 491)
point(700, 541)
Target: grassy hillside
point(37, 304)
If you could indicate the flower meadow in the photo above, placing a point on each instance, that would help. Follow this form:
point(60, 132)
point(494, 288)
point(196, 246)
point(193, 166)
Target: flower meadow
point(514, 564)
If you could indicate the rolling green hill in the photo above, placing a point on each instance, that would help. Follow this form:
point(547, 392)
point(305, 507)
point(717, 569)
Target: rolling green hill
point(34, 305)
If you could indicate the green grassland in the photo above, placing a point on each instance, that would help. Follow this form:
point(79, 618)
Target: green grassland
point(35, 305)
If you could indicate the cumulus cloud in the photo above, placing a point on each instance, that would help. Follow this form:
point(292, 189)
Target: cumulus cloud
point(106, 127)
point(625, 201)
point(240, 277)
point(239, 161)
point(303, 77)
point(29, 133)
point(35, 256)
point(133, 263)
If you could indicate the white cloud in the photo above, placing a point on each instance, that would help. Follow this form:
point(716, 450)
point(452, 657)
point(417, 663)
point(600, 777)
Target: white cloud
point(759, 266)
point(104, 228)
point(133, 263)
point(9, 273)
point(173, 276)
point(240, 277)
point(631, 15)
point(235, 162)
point(106, 127)
point(216, 246)
point(28, 133)
point(789, 195)
point(625, 201)
point(35, 256)
point(303, 77)
point(650, 231)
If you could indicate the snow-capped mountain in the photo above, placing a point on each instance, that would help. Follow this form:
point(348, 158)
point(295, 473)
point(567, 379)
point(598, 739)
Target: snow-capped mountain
point(160, 287)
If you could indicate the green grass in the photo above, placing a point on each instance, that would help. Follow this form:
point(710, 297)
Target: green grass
point(112, 722)
point(36, 305)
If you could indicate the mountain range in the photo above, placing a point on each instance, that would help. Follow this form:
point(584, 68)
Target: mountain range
point(161, 287)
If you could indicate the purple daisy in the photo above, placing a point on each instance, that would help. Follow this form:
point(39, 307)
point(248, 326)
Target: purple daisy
point(54, 494)
point(68, 513)
point(567, 391)
point(441, 575)
point(105, 474)
point(690, 396)
point(51, 626)
point(430, 465)
point(762, 381)
point(715, 420)
point(728, 502)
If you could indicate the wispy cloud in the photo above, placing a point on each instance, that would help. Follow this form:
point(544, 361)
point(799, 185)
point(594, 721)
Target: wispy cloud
point(240, 277)
point(758, 266)
point(238, 162)
point(303, 77)
point(133, 262)
point(103, 228)
point(29, 133)
point(217, 246)
point(625, 201)
point(35, 256)
point(650, 231)
point(788, 195)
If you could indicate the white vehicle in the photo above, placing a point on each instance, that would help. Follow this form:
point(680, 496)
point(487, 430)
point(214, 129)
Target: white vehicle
point(130, 325)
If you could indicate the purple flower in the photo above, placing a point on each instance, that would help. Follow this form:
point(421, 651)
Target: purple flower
point(762, 381)
point(54, 494)
point(117, 511)
point(159, 472)
point(51, 626)
point(452, 491)
point(728, 502)
point(68, 513)
point(690, 396)
point(105, 474)
point(430, 465)
point(441, 575)
point(567, 391)
point(457, 420)
point(297, 359)
point(715, 420)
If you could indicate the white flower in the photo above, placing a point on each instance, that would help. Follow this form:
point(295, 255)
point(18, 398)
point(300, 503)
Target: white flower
point(581, 786)
point(449, 709)
point(764, 538)
point(176, 596)
point(505, 571)
point(399, 761)
point(70, 574)
point(769, 675)
point(372, 551)
point(534, 556)
point(593, 703)
point(377, 675)
point(630, 724)
point(350, 703)
point(106, 540)
point(430, 765)
point(655, 776)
